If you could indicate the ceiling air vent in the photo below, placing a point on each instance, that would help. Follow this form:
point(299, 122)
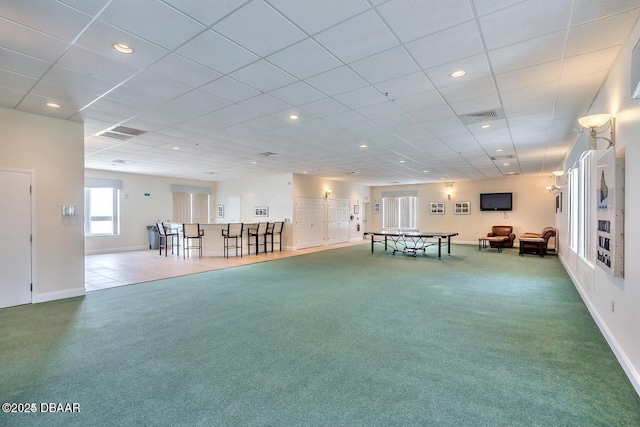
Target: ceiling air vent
point(508, 156)
point(267, 154)
point(121, 133)
point(482, 116)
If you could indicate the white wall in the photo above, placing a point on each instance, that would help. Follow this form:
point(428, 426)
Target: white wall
point(138, 211)
point(621, 327)
point(533, 206)
point(54, 150)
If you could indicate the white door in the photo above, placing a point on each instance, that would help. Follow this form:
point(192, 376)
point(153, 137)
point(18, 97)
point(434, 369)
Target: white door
point(310, 222)
point(15, 252)
point(338, 221)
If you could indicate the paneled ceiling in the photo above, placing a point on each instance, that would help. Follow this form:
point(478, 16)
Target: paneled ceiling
point(213, 84)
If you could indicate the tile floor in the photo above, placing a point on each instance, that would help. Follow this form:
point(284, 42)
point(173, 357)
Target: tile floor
point(126, 268)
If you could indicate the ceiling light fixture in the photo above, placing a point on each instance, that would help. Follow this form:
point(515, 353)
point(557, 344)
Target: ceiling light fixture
point(499, 150)
point(52, 105)
point(176, 148)
point(293, 117)
point(558, 173)
point(363, 145)
point(122, 48)
point(594, 122)
point(457, 74)
point(485, 126)
point(402, 161)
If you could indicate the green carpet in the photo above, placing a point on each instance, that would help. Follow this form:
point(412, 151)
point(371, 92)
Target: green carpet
point(336, 338)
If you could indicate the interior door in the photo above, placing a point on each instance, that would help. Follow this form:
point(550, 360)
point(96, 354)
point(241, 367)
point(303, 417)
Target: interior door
point(338, 221)
point(15, 253)
point(310, 222)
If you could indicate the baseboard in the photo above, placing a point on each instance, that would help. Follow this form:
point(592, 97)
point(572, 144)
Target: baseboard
point(627, 366)
point(114, 250)
point(52, 296)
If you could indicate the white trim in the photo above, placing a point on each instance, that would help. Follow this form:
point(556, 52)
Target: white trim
point(56, 295)
point(627, 366)
point(113, 250)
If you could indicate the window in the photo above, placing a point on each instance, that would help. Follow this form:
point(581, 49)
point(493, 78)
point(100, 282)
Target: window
point(399, 212)
point(102, 207)
point(102, 211)
point(190, 204)
point(582, 208)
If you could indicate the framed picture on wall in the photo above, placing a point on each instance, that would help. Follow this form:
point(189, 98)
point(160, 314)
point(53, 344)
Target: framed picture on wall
point(376, 207)
point(436, 208)
point(462, 208)
point(262, 211)
point(356, 209)
point(220, 211)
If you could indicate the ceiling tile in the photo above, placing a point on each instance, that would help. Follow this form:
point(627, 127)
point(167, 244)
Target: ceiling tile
point(361, 97)
point(297, 94)
point(529, 53)
point(376, 111)
point(150, 19)
point(446, 46)
point(410, 84)
point(45, 17)
point(324, 107)
point(178, 68)
point(422, 100)
point(524, 21)
point(477, 67)
point(230, 89)
point(314, 16)
point(155, 85)
point(263, 76)
point(229, 56)
point(16, 81)
point(259, 29)
point(587, 10)
point(410, 19)
point(22, 64)
point(591, 62)
point(265, 104)
point(469, 89)
point(359, 37)
point(29, 42)
point(530, 76)
point(338, 80)
point(475, 105)
point(385, 65)
point(304, 59)
point(86, 62)
point(601, 33)
point(203, 12)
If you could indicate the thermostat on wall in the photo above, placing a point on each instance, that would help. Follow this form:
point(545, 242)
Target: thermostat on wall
point(68, 210)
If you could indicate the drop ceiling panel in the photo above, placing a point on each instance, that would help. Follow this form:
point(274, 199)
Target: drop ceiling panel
point(259, 28)
point(470, 89)
point(385, 65)
point(297, 94)
point(420, 101)
point(361, 97)
point(263, 76)
point(91, 64)
point(21, 39)
point(477, 67)
point(313, 16)
point(230, 89)
point(411, 19)
point(336, 81)
point(524, 21)
point(482, 103)
point(531, 76)
point(229, 56)
point(601, 33)
point(178, 68)
point(532, 52)
point(446, 46)
point(304, 59)
point(591, 62)
point(48, 17)
point(265, 104)
point(588, 10)
point(324, 107)
point(150, 19)
point(153, 84)
point(18, 82)
point(77, 96)
point(357, 38)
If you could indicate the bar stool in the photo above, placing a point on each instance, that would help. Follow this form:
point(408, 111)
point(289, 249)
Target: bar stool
point(233, 232)
point(164, 233)
point(192, 238)
point(275, 229)
point(257, 233)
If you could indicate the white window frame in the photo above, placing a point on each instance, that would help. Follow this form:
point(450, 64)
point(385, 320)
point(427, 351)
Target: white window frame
point(400, 213)
point(114, 217)
point(582, 214)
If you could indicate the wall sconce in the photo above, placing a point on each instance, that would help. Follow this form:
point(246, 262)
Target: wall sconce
point(448, 189)
point(553, 188)
point(594, 122)
point(327, 193)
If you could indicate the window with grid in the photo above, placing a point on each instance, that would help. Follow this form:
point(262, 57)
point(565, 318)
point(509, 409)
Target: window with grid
point(102, 207)
point(399, 213)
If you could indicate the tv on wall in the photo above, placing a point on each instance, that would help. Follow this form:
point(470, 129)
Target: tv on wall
point(496, 202)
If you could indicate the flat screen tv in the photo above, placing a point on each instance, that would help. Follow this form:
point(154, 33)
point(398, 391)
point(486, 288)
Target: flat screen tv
point(496, 202)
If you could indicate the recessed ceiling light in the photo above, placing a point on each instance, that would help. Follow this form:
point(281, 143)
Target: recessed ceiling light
point(402, 161)
point(511, 173)
point(52, 105)
point(485, 126)
point(499, 150)
point(122, 48)
point(506, 164)
point(293, 117)
point(176, 148)
point(363, 145)
point(425, 171)
point(457, 74)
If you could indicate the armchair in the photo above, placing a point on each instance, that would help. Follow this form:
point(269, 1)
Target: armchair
point(536, 243)
point(502, 230)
